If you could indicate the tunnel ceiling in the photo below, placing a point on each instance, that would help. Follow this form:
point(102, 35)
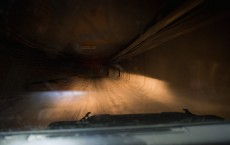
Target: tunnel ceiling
point(85, 29)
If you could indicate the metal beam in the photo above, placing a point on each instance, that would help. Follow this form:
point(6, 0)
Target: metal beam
point(189, 5)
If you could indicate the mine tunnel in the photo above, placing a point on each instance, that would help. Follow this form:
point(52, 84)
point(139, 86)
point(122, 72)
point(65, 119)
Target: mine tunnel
point(61, 59)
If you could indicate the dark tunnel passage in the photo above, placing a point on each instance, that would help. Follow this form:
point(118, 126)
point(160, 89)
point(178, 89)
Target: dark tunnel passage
point(56, 56)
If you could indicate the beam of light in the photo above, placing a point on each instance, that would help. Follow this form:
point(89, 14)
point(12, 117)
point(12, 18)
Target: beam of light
point(130, 93)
